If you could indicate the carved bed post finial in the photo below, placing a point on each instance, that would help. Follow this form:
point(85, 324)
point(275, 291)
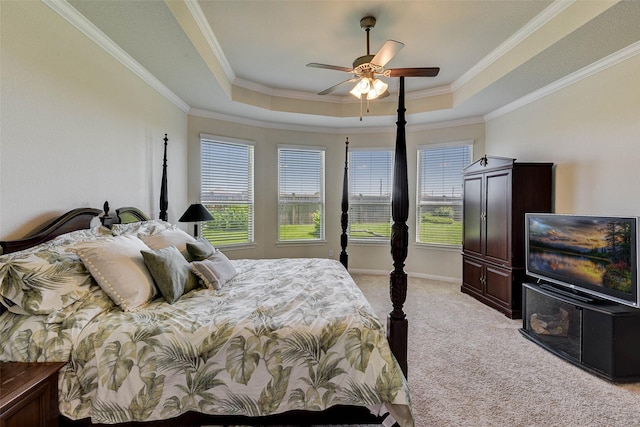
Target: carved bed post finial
point(164, 201)
point(344, 219)
point(106, 219)
point(397, 323)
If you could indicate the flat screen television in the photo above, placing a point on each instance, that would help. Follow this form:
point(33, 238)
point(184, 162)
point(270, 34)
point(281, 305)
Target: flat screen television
point(593, 255)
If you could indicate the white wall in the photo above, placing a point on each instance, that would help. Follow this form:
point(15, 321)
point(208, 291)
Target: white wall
point(591, 131)
point(421, 261)
point(78, 128)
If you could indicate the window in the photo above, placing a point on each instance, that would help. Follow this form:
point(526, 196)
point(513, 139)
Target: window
point(439, 215)
point(370, 184)
point(226, 189)
point(300, 193)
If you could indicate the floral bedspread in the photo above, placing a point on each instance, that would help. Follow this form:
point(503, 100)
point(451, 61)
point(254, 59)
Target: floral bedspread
point(284, 334)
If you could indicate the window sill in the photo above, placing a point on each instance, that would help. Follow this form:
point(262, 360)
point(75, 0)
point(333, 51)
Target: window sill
point(372, 242)
point(301, 243)
point(236, 247)
point(447, 248)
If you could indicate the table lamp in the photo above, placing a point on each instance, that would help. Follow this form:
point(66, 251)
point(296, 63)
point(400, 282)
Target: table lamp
point(196, 213)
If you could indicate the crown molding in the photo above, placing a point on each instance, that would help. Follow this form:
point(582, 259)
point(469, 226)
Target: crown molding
point(338, 99)
point(261, 123)
point(71, 14)
point(553, 10)
point(212, 41)
point(332, 130)
point(588, 71)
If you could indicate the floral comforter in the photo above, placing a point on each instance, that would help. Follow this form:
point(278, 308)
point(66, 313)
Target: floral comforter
point(286, 334)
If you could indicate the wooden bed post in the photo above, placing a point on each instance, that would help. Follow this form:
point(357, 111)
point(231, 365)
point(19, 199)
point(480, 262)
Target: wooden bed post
point(164, 201)
point(397, 323)
point(344, 218)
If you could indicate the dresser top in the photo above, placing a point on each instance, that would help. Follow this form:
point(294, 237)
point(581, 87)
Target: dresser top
point(18, 378)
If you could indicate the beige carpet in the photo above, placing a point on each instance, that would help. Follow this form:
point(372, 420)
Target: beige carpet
point(469, 366)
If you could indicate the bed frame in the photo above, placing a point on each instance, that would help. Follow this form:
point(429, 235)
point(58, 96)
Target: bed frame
point(397, 324)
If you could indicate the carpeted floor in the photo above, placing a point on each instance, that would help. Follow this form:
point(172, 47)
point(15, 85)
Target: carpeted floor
point(469, 366)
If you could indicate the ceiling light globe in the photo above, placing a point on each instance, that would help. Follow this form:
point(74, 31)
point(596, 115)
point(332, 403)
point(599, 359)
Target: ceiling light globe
point(364, 86)
point(380, 86)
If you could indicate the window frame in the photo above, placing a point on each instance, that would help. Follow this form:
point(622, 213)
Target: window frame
point(250, 146)
point(322, 232)
point(351, 168)
point(420, 204)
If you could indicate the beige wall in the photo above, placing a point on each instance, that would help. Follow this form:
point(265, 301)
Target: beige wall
point(591, 131)
point(422, 260)
point(78, 128)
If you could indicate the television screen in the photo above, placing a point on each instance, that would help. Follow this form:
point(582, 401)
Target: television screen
point(593, 254)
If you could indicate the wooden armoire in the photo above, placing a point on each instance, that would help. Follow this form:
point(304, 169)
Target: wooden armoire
point(497, 193)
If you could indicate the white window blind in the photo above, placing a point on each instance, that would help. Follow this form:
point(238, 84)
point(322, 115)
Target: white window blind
point(300, 193)
point(439, 215)
point(226, 189)
point(370, 184)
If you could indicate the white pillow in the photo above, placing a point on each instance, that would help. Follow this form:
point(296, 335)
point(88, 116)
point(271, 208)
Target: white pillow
point(171, 237)
point(117, 265)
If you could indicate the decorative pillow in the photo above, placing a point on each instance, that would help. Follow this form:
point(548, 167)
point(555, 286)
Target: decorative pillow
point(171, 237)
point(171, 272)
point(117, 265)
point(45, 278)
point(141, 228)
point(200, 249)
point(215, 271)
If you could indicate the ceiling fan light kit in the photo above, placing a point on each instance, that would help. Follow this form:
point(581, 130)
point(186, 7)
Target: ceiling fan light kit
point(367, 68)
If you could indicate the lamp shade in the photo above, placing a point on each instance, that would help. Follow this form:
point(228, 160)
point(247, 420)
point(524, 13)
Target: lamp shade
point(196, 212)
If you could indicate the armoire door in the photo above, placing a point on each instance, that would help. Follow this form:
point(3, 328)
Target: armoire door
point(498, 217)
point(473, 215)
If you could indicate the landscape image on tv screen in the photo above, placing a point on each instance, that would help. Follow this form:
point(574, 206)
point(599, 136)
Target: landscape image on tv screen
point(583, 250)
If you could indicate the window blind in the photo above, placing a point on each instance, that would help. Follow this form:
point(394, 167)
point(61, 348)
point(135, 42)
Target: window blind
point(300, 193)
point(439, 205)
point(370, 184)
point(226, 190)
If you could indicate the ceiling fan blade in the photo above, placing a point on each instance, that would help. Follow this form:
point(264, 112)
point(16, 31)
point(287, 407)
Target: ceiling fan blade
point(414, 72)
point(330, 67)
point(386, 52)
point(334, 87)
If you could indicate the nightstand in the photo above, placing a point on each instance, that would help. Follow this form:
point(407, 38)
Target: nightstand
point(29, 394)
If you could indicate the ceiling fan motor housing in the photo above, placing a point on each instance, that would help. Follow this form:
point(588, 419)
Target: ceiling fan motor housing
point(361, 61)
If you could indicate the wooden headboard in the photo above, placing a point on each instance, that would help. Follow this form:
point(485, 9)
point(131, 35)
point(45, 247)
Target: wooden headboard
point(76, 219)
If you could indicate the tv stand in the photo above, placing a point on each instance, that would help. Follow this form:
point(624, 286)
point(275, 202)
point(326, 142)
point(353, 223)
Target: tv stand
point(598, 336)
point(574, 295)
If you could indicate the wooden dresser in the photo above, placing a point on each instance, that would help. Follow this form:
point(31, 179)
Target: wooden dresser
point(29, 394)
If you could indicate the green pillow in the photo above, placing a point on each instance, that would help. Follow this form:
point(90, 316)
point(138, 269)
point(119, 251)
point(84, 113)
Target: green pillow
point(201, 249)
point(171, 272)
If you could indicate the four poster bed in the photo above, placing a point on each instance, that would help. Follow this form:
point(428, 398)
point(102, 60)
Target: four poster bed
point(260, 342)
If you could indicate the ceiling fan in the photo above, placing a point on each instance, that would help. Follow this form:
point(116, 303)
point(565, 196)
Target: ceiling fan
point(367, 68)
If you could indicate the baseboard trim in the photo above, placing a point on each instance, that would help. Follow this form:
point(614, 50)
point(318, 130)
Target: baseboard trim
point(446, 279)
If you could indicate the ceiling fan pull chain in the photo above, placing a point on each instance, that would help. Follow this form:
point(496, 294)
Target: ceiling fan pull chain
point(360, 107)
